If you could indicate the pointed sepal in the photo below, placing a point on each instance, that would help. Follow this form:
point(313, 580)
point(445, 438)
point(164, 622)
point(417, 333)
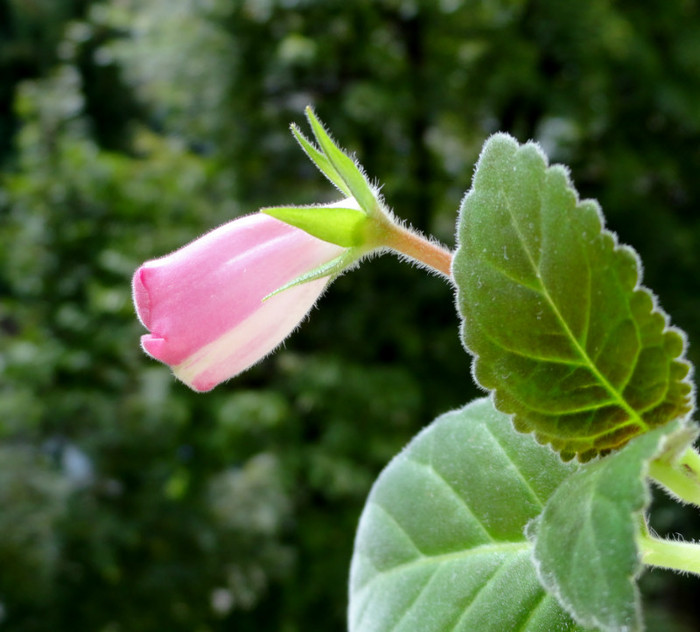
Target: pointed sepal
point(332, 270)
point(346, 168)
point(340, 225)
point(322, 163)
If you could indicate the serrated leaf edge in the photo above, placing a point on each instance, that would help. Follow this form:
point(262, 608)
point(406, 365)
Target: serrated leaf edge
point(616, 246)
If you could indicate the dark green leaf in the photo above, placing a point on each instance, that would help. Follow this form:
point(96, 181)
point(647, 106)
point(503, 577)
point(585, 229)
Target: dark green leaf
point(552, 310)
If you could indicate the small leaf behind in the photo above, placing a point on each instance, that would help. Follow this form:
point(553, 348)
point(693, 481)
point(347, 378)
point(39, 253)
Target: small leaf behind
point(585, 545)
point(441, 546)
point(553, 313)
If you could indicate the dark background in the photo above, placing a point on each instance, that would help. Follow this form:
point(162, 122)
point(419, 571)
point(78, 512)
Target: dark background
point(128, 127)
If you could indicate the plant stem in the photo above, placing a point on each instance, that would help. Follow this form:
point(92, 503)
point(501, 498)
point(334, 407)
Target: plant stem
point(417, 247)
point(681, 478)
point(678, 556)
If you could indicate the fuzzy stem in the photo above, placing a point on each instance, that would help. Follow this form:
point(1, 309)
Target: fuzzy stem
point(417, 247)
point(681, 478)
point(678, 556)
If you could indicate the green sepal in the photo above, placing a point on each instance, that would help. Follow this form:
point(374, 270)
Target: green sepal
point(346, 168)
point(323, 164)
point(337, 225)
point(331, 269)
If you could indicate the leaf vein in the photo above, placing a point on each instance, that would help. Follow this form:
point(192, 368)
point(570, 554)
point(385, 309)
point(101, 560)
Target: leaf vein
point(473, 597)
point(531, 356)
point(427, 583)
point(495, 548)
point(400, 527)
point(541, 600)
point(497, 572)
point(494, 266)
point(540, 501)
point(429, 467)
point(565, 326)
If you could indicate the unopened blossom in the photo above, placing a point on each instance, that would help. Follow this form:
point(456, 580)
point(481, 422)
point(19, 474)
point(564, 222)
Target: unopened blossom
point(203, 304)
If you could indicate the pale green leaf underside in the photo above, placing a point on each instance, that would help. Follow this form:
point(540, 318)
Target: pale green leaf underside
point(552, 310)
point(585, 538)
point(441, 546)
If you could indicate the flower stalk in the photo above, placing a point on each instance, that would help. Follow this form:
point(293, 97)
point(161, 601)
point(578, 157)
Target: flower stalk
point(674, 555)
point(418, 248)
point(680, 477)
point(361, 222)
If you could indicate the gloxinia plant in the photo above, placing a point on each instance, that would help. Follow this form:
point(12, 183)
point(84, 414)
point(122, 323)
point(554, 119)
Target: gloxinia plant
point(526, 510)
point(223, 302)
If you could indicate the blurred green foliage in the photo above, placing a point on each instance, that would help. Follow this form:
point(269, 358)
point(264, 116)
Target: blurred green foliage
point(128, 127)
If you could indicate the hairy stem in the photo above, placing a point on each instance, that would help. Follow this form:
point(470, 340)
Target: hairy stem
point(417, 247)
point(678, 556)
point(681, 477)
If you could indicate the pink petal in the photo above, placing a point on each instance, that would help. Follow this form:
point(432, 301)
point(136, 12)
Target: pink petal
point(203, 303)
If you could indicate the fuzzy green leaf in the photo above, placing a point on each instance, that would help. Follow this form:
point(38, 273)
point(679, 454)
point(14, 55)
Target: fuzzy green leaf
point(552, 310)
point(344, 166)
point(337, 225)
point(585, 540)
point(441, 546)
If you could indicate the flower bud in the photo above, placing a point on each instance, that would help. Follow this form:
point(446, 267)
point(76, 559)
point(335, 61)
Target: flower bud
point(203, 304)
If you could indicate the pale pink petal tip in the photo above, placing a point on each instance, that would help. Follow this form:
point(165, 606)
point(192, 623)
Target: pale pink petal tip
point(142, 299)
point(203, 385)
point(154, 346)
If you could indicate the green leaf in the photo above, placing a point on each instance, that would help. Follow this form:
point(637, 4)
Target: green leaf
point(346, 167)
point(585, 540)
point(553, 313)
point(337, 225)
point(441, 545)
point(321, 162)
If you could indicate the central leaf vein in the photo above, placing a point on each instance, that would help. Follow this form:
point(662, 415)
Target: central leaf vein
point(615, 394)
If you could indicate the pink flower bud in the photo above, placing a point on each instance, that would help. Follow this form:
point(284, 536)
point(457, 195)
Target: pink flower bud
point(203, 304)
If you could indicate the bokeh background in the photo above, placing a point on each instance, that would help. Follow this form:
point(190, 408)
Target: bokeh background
point(128, 127)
